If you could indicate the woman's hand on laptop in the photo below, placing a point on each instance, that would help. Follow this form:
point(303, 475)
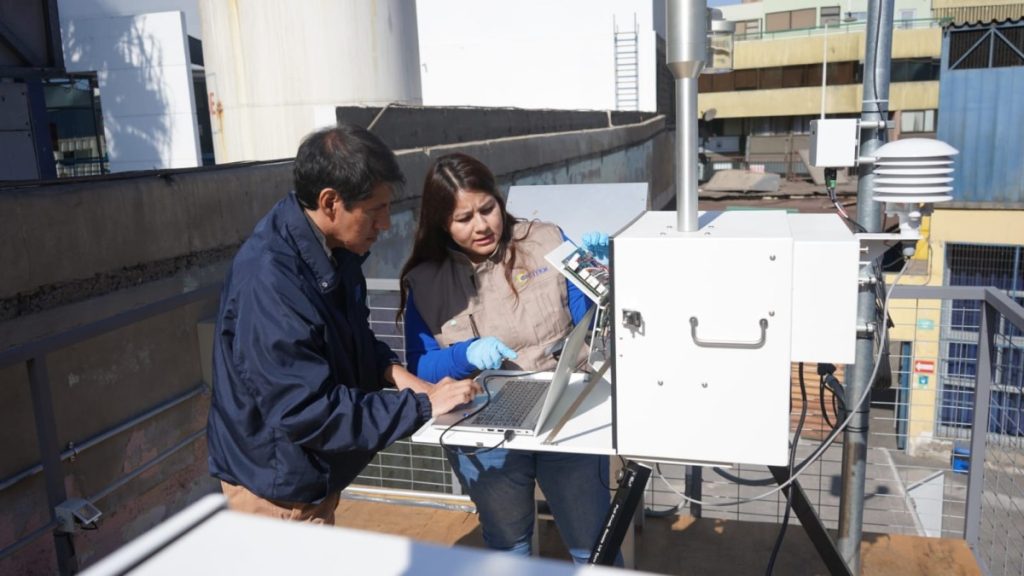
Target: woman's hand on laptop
point(488, 353)
point(449, 393)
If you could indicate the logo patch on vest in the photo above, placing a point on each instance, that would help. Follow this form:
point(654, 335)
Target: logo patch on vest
point(523, 277)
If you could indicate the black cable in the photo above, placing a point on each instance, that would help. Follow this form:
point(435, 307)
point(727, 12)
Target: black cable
point(874, 84)
point(855, 224)
point(837, 404)
point(821, 401)
point(507, 436)
point(792, 463)
point(744, 481)
point(825, 370)
point(604, 481)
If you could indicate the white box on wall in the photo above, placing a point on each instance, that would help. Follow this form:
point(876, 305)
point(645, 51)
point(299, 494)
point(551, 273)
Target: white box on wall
point(834, 142)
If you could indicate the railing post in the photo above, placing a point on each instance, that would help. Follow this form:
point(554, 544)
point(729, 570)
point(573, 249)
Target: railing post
point(979, 424)
point(49, 453)
point(694, 486)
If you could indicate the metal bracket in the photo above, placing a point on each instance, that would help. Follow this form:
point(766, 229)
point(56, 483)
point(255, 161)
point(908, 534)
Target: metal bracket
point(633, 321)
point(76, 512)
point(873, 245)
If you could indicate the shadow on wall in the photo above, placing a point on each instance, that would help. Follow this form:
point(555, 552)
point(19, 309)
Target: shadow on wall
point(129, 56)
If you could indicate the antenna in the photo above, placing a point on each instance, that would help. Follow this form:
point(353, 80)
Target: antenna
point(824, 70)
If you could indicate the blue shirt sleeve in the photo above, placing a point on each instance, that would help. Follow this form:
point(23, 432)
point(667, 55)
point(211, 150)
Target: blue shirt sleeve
point(425, 356)
point(579, 303)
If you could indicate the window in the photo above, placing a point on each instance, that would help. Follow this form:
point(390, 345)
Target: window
point(982, 265)
point(802, 124)
point(915, 69)
point(829, 15)
point(793, 76)
point(776, 21)
point(760, 127)
point(912, 121)
point(790, 20)
point(809, 75)
point(906, 18)
point(806, 18)
point(962, 359)
point(745, 79)
point(748, 29)
point(770, 78)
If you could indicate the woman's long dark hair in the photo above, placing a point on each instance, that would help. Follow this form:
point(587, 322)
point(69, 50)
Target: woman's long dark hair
point(446, 177)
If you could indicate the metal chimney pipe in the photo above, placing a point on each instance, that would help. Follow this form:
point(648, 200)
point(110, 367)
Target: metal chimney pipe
point(687, 25)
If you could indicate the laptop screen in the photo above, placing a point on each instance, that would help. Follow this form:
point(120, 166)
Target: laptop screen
point(566, 363)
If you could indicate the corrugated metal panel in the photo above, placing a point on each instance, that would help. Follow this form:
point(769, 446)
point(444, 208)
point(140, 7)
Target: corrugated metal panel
point(981, 113)
point(979, 14)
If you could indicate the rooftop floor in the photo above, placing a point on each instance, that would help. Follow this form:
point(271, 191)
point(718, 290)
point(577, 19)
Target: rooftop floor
point(684, 545)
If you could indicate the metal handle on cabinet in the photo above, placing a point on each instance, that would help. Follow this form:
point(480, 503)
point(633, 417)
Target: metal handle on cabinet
point(726, 344)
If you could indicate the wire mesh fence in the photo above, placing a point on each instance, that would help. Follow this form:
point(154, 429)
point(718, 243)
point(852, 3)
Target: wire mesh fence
point(918, 449)
point(404, 465)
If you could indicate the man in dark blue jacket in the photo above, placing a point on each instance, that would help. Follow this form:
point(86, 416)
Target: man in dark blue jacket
point(297, 409)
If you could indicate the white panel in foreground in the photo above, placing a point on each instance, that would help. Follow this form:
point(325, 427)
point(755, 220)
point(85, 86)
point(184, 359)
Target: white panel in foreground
point(206, 539)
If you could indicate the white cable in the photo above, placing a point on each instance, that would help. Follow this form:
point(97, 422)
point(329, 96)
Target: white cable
point(834, 434)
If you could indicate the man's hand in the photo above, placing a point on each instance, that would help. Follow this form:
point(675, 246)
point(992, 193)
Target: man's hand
point(447, 394)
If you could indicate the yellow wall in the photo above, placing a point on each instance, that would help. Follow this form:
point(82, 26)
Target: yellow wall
point(919, 321)
point(918, 43)
point(846, 99)
point(805, 101)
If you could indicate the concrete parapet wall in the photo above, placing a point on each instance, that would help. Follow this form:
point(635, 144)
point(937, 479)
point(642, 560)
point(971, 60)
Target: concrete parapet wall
point(70, 242)
point(67, 242)
point(404, 127)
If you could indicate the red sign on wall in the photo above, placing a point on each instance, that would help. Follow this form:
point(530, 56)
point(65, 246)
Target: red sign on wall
point(924, 366)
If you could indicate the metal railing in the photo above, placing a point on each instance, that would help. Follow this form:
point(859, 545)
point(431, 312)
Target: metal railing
point(404, 465)
point(33, 355)
point(924, 478)
point(921, 479)
point(841, 27)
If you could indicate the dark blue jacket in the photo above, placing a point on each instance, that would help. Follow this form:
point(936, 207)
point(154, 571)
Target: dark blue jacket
point(296, 413)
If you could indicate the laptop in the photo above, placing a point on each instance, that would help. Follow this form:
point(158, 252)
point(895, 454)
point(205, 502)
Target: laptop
point(520, 401)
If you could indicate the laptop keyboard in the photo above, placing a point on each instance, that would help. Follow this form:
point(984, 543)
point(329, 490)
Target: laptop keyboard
point(510, 406)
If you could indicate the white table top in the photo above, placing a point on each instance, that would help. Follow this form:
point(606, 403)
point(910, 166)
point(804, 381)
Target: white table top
point(589, 431)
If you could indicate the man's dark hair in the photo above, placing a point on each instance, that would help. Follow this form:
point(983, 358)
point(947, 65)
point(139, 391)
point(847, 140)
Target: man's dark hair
point(346, 158)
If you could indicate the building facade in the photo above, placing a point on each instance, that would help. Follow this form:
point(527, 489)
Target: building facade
point(763, 108)
point(975, 240)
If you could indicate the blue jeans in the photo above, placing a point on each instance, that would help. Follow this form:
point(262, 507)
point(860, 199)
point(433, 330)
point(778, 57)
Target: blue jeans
point(501, 484)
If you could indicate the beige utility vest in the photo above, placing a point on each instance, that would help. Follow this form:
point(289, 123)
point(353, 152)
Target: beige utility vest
point(455, 295)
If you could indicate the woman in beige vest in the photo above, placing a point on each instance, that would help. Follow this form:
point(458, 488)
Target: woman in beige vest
point(477, 294)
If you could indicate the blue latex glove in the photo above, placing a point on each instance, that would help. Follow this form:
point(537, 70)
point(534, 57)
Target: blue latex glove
point(597, 244)
point(488, 353)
